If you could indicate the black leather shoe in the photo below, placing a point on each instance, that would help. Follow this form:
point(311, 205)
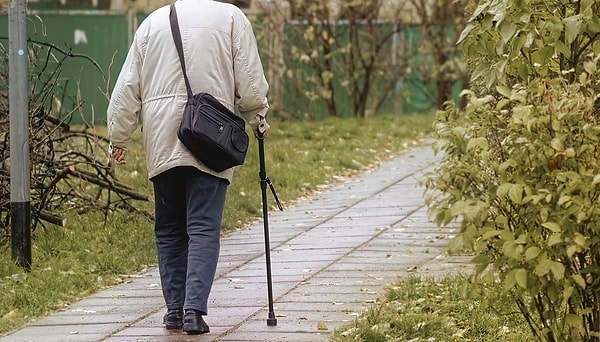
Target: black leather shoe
point(173, 319)
point(193, 323)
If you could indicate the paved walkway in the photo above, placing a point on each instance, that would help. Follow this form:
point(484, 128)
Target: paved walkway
point(332, 255)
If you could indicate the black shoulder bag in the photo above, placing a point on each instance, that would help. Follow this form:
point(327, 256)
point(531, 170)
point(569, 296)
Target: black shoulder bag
point(211, 132)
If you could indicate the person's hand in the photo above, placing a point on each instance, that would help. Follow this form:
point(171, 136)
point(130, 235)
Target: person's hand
point(262, 131)
point(118, 154)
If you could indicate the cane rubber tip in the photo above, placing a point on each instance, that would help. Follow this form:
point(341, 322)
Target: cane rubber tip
point(271, 321)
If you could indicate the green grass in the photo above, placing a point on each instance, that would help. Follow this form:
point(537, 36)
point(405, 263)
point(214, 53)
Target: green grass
point(301, 157)
point(425, 309)
point(72, 262)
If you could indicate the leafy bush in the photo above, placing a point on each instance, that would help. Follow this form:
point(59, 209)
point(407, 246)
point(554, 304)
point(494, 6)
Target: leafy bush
point(521, 165)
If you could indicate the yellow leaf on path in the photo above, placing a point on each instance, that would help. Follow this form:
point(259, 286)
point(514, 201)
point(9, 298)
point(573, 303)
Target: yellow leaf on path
point(321, 326)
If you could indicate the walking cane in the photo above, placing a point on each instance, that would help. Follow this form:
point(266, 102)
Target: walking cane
point(264, 180)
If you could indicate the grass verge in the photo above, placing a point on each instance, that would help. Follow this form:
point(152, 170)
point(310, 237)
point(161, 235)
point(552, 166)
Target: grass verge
point(72, 262)
point(424, 309)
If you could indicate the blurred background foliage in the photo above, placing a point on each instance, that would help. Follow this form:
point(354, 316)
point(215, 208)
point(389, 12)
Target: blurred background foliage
point(322, 59)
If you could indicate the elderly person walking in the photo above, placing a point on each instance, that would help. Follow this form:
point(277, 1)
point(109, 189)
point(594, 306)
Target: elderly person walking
point(222, 59)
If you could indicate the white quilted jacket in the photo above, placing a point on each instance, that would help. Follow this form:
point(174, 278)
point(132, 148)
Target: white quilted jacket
point(221, 58)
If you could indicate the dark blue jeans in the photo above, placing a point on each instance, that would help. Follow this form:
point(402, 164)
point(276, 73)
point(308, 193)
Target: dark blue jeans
point(188, 210)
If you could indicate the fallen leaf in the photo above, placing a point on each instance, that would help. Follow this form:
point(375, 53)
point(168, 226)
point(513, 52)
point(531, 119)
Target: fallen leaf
point(10, 314)
point(322, 326)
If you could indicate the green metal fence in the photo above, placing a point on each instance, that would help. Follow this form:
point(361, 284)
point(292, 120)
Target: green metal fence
point(104, 36)
point(98, 42)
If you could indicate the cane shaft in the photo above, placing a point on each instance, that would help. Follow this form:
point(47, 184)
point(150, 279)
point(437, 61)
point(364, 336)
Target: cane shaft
point(271, 321)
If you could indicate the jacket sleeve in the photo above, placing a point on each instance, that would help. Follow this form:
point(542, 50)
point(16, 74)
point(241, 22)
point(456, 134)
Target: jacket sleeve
point(250, 82)
point(125, 101)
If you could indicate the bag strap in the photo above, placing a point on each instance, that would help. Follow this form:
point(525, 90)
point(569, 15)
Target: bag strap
point(179, 46)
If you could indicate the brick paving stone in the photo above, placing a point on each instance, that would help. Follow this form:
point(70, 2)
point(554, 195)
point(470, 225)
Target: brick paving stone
point(332, 256)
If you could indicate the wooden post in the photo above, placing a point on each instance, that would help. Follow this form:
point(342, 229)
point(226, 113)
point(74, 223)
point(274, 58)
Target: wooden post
point(132, 25)
point(278, 15)
point(397, 53)
point(19, 134)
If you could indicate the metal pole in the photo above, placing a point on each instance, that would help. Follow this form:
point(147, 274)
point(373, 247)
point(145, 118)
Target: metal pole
point(271, 320)
point(19, 134)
